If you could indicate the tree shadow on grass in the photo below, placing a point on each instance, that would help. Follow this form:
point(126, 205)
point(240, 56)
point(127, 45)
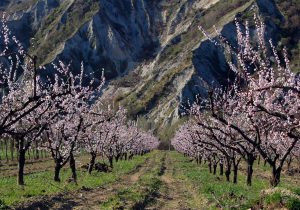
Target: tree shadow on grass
point(58, 202)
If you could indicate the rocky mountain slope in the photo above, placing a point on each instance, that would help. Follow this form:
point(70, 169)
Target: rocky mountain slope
point(152, 52)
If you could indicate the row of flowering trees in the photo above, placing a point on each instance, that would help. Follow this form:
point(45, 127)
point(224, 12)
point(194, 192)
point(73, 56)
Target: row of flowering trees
point(58, 113)
point(257, 115)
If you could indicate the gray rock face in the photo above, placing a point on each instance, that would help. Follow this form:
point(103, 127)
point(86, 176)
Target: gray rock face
point(119, 34)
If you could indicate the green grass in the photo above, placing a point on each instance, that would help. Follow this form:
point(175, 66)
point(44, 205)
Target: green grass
point(139, 194)
point(221, 193)
point(42, 183)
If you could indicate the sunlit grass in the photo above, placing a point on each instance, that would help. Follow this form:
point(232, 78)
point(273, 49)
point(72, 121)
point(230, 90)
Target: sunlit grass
point(140, 193)
point(42, 183)
point(222, 194)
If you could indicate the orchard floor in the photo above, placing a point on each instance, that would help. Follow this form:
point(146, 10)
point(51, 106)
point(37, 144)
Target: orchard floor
point(159, 180)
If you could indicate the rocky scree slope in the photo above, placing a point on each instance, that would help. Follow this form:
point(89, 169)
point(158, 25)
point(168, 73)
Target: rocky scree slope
point(152, 52)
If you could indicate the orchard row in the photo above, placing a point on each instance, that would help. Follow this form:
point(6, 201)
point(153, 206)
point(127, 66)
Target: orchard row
point(57, 112)
point(257, 115)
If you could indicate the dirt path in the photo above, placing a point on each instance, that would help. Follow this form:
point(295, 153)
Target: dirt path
point(88, 198)
point(176, 193)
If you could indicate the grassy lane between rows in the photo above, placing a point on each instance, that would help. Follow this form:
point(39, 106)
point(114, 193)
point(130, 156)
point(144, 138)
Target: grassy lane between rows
point(41, 183)
point(223, 195)
point(142, 191)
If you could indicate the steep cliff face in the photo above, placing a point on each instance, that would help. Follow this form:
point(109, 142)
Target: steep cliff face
point(151, 50)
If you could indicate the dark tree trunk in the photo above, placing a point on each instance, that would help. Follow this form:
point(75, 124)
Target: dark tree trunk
point(117, 157)
point(21, 163)
point(58, 166)
point(2, 145)
point(92, 163)
point(221, 168)
point(258, 161)
point(250, 162)
point(111, 160)
point(37, 152)
point(215, 168)
point(131, 156)
point(73, 167)
point(235, 173)
point(6, 150)
point(276, 172)
point(125, 156)
point(1, 148)
point(12, 147)
point(228, 171)
point(209, 166)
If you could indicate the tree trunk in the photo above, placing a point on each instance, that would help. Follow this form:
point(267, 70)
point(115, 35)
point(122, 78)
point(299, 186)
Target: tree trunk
point(92, 163)
point(6, 150)
point(235, 173)
point(276, 172)
point(37, 152)
point(21, 163)
point(1, 148)
point(228, 172)
point(209, 166)
point(131, 156)
point(58, 166)
point(12, 147)
point(111, 159)
point(73, 167)
point(221, 168)
point(125, 155)
point(117, 157)
point(258, 161)
point(250, 162)
point(215, 168)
